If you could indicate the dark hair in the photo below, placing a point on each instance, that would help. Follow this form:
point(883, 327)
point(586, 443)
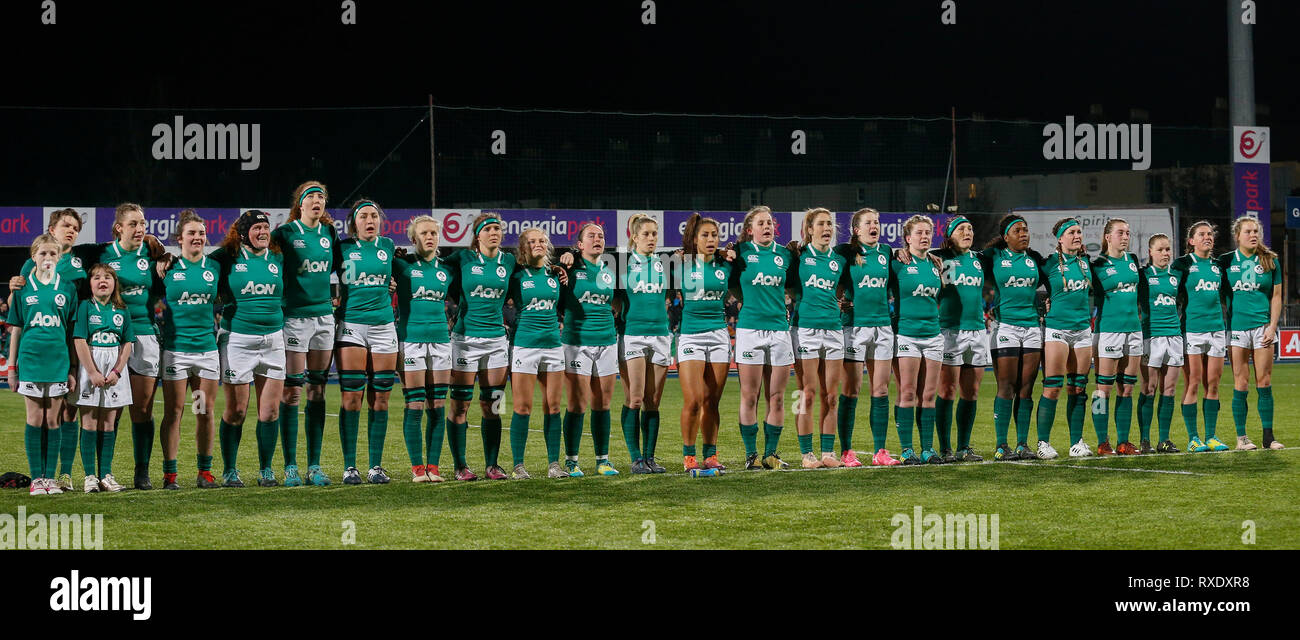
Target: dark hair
point(358, 204)
point(1060, 255)
point(65, 213)
point(116, 298)
point(1214, 231)
point(952, 246)
point(187, 216)
point(999, 241)
point(691, 229)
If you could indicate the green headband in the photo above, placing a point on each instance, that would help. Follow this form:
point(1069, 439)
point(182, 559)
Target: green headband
point(1068, 223)
point(486, 221)
point(309, 190)
point(954, 223)
point(1011, 223)
point(361, 205)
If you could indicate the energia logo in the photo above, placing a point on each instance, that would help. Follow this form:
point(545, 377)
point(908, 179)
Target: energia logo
point(76, 593)
point(1085, 141)
point(180, 141)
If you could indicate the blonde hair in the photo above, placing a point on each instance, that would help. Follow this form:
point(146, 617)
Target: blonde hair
point(1151, 242)
point(634, 226)
point(745, 235)
point(1267, 258)
point(416, 222)
point(1110, 224)
point(913, 221)
point(120, 213)
point(526, 256)
point(809, 218)
point(42, 240)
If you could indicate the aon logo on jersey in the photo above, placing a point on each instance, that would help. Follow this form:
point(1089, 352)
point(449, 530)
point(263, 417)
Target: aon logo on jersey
point(648, 287)
point(1207, 285)
point(1242, 285)
point(707, 295)
point(1164, 300)
point(965, 280)
point(490, 293)
point(313, 266)
point(194, 298)
point(922, 291)
point(257, 289)
point(1076, 285)
point(871, 282)
point(427, 294)
point(1126, 287)
point(767, 281)
point(820, 283)
point(371, 280)
point(1014, 282)
point(540, 305)
point(45, 320)
point(593, 298)
point(104, 337)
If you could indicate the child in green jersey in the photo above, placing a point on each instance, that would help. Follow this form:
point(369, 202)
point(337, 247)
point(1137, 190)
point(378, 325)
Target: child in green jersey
point(1252, 285)
point(1067, 338)
point(103, 338)
point(39, 363)
point(1158, 290)
point(590, 349)
point(868, 335)
point(965, 339)
point(1204, 333)
point(704, 348)
point(645, 344)
point(251, 341)
point(426, 346)
point(915, 285)
point(1118, 337)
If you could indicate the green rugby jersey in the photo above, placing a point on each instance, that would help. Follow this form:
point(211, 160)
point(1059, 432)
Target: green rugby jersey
point(760, 274)
point(916, 288)
point(482, 283)
point(1014, 278)
point(1200, 280)
point(818, 273)
point(1248, 288)
point(190, 290)
point(868, 283)
point(1069, 286)
point(537, 296)
point(588, 300)
point(253, 289)
point(310, 255)
point(1116, 282)
point(704, 294)
point(364, 274)
point(1158, 301)
point(103, 325)
point(961, 300)
point(644, 282)
point(44, 312)
point(135, 278)
point(422, 300)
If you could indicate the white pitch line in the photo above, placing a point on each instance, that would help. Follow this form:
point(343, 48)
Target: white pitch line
point(1100, 468)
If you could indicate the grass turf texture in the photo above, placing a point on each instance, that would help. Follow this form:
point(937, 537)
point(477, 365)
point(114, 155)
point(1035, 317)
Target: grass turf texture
point(1068, 503)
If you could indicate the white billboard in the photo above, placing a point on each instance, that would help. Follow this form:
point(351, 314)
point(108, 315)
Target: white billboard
point(1143, 223)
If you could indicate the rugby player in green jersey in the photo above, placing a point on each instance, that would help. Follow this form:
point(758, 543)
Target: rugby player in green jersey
point(1067, 338)
point(817, 335)
point(703, 346)
point(1016, 337)
point(965, 339)
point(426, 346)
point(535, 353)
point(590, 349)
point(479, 347)
point(189, 347)
point(366, 338)
point(763, 351)
point(103, 340)
point(310, 246)
point(1118, 340)
point(868, 335)
point(251, 340)
point(645, 344)
point(1204, 332)
point(915, 285)
point(1158, 290)
point(40, 318)
point(1252, 286)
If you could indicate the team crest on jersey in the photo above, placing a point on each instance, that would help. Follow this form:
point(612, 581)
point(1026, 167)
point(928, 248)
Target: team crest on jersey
point(141, 264)
point(835, 266)
point(383, 255)
point(604, 277)
point(778, 260)
point(299, 244)
point(241, 268)
point(881, 259)
point(719, 274)
point(1029, 262)
point(273, 269)
point(934, 271)
point(1173, 281)
point(117, 320)
point(1259, 269)
point(76, 262)
point(324, 243)
point(442, 276)
point(1133, 267)
point(501, 271)
point(659, 267)
point(1214, 269)
point(551, 283)
point(208, 275)
point(60, 299)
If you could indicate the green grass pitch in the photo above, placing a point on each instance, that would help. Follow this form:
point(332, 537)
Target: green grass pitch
point(1186, 501)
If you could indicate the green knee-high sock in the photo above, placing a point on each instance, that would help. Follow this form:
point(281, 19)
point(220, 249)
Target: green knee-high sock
point(376, 432)
point(1046, 417)
point(943, 422)
point(926, 425)
point(53, 438)
point(551, 432)
point(434, 434)
point(266, 432)
point(349, 425)
point(1189, 420)
point(316, 431)
point(411, 419)
point(845, 418)
point(456, 436)
point(749, 436)
point(89, 451)
point(1024, 415)
point(1165, 416)
point(965, 421)
point(572, 433)
point(1002, 418)
point(1145, 404)
point(1265, 408)
point(142, 441)
point(631, 424)
point(288, 435)
point(67, 445)
point(600, 433)
point(518, 437)
point(1211, 410)
point(771, 437)
point(106, 446)
point(1074, 403)
point(878, 417)
point(1239, 410)
point(903, 421)
point(491, 434)
point(229, 436)
point(1124, 418)
point(35, 459)
point(650, 429)
point(1101, 417)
